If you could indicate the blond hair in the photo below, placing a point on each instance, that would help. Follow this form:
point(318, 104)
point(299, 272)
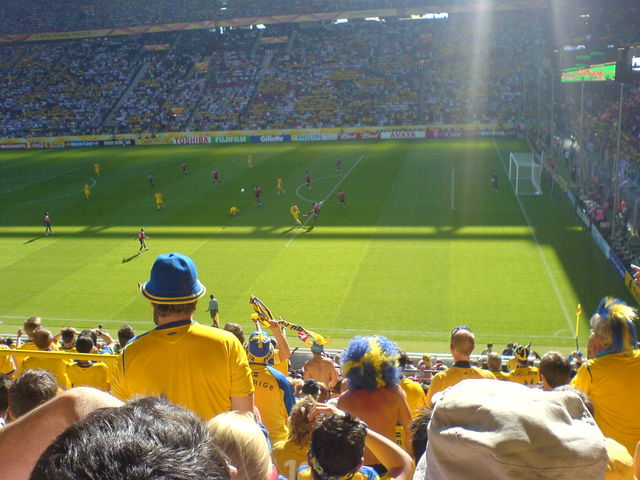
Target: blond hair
point(241, 439)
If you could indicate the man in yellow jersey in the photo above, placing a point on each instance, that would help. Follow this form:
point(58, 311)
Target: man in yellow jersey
point(202, 368)
point(29, 326)
point(233, 211)
point(273, 393)
point(412, 389)
point(87, 190)
point(610, 379)
point(280, 187)
point(250, 161)
point(96, 168)
point(524, 373)
point(295, 213)
point(461, 346)
point(159, 200)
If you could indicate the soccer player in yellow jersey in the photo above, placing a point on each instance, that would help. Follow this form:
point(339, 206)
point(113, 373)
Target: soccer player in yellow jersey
point(250, 161)
point(280, 187)
point(524, 373)
point(96, 168)
point(610, 379)
point(87, 190)
point(202, 368)
point(159, 200)
point(233, 211)
point(295, 213)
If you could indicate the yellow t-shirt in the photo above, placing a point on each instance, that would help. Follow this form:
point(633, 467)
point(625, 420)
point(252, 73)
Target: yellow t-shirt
point(6, 362)
point(159, 197)
point(452, 376)
point(529, 376)
point(415, 396)
point(273, 397)
point(57, 366)
point(94, 375)
point(614, 389)
point(193, 365)
point(289, 457)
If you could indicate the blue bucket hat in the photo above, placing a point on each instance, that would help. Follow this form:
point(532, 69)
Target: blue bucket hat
point(174, 281)
point(259, 348)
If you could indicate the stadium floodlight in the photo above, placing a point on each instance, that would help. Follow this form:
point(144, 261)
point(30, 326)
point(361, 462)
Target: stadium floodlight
point(525, 173)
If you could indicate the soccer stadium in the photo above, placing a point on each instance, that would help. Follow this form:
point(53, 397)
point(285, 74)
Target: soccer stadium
point(251, 206)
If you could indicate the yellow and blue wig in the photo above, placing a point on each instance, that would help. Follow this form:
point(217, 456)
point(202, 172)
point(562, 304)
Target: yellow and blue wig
point(613, 324)
point(371, 362)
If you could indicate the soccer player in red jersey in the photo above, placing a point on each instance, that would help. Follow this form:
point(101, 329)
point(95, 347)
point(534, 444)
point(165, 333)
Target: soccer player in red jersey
point(258, 193)
point(307, 179)
point(315, 211)
point(142, 237)
point(215, 177)
point(342, 200)
point(185, 169)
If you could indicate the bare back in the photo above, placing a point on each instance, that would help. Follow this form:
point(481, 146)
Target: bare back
point(321, 369)
point(382, 409)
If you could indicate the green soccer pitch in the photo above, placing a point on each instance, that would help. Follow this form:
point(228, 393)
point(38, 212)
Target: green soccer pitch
point(423, 245)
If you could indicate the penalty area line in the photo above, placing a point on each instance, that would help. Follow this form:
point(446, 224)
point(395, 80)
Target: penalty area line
point(326, 197)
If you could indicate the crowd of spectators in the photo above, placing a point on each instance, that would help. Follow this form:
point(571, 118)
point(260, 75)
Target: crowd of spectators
point(369, 411)
point(317, 75)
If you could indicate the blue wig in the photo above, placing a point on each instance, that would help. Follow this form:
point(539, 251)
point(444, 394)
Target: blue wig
point(371, 362)
point(613, 323)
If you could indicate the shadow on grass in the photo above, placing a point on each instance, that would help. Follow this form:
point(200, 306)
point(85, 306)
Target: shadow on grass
point(34, 239)
point(128, 259)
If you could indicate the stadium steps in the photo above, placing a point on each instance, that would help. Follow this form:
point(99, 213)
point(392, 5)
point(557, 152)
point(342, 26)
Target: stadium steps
point(116, 107)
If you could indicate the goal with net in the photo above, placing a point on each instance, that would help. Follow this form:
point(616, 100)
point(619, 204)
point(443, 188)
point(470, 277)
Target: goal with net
point(525, 173)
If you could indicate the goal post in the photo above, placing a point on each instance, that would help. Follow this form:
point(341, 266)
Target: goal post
point(525, 173)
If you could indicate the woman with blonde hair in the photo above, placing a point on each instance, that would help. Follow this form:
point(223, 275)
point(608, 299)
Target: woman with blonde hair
point(243, 441)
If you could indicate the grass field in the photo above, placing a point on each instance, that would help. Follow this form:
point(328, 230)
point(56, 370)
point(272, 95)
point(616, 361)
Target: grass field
point(423, 245)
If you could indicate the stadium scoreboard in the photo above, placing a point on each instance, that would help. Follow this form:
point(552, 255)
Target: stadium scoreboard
point(583, 63)
point(629, 65)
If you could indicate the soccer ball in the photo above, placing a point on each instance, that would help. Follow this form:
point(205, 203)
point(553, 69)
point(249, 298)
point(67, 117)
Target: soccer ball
point(242, 190)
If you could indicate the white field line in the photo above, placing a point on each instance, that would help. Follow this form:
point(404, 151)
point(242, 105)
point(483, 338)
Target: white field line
point(453, 189)
point(149, 324)
point(92, 182)
point(325, 198)
point(40, 180)
point(554, 285)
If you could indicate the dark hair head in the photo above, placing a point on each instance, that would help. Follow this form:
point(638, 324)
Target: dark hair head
point(146, 439)
point(84, 344)
point(418, 427)
point(125, 334)
point(68, 334)
point(310, 387)
point(337, 445)
point(236, 330)
point(5, 385)
point(404, 360)
point(31, 389)
point(555, 368)
point(91, 333)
